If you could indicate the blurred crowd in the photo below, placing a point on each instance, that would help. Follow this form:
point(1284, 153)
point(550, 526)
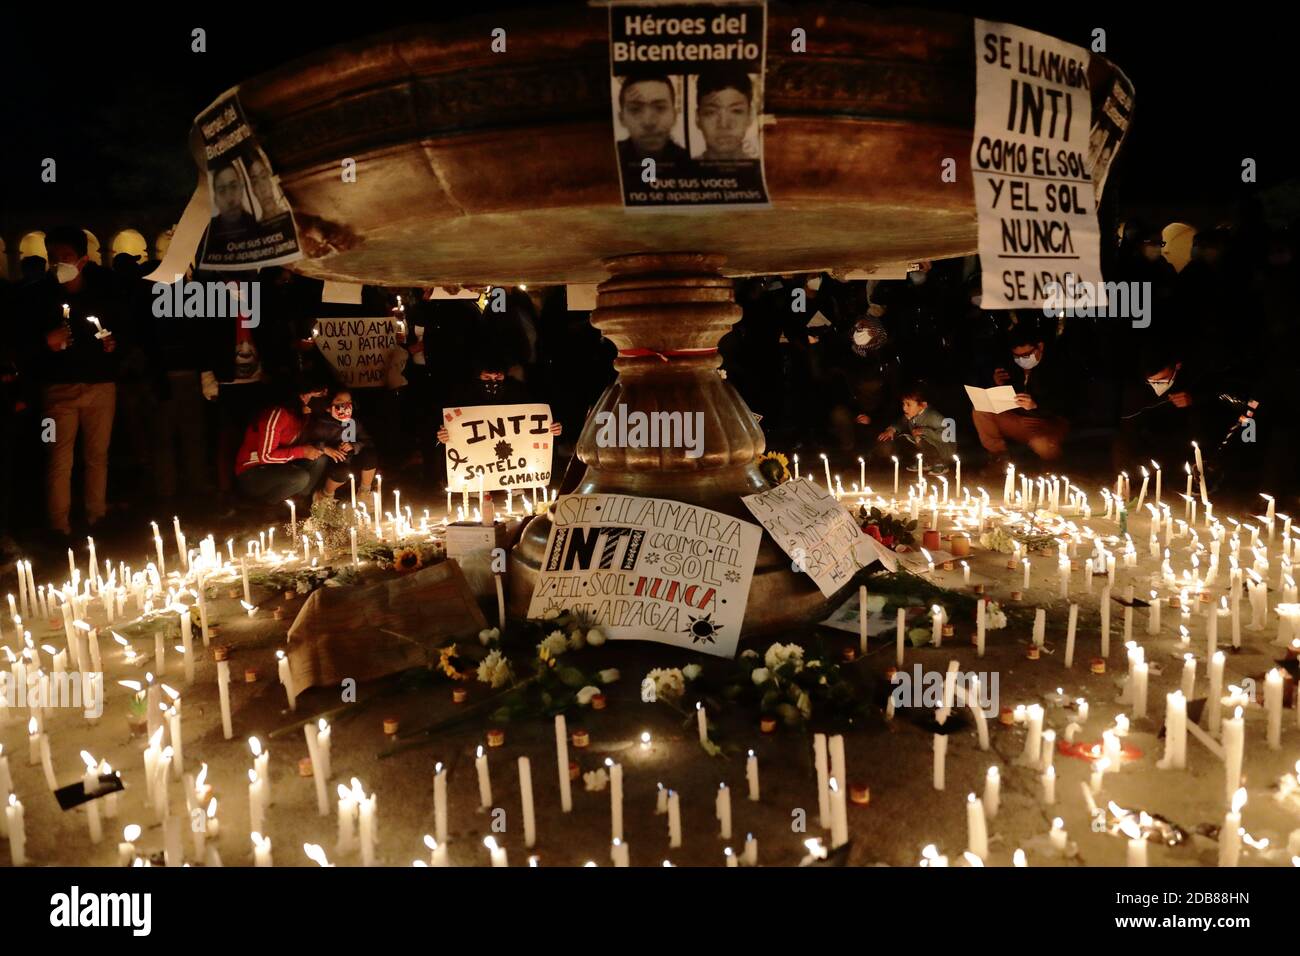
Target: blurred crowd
point(109, 407)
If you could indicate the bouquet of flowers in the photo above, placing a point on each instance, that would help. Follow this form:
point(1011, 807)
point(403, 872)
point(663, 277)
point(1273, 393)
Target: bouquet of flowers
point(408, 556)
point(305, 580)
point(885, 528)
point(793, 685)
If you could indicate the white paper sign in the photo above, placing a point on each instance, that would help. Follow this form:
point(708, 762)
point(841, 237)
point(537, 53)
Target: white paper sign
point(509, 445)
point(649, 569)
point(1038, 235)
point(361, 351)
point(813, 528)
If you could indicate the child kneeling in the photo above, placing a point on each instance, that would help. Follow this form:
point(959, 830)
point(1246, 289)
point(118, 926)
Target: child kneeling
point(922, 429)
point(334, 425)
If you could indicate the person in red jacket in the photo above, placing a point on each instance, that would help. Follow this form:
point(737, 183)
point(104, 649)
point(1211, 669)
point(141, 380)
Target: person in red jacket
point(272, 465)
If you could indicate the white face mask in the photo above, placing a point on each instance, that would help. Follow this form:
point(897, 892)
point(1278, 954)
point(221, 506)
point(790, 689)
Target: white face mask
point(861, 336)
point(65, 272)
point(1161, 387)
point(1026, 361)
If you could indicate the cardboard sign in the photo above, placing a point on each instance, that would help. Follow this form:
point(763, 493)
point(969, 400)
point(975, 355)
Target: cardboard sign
point(1038, 234)
point(362, 352)
point(686, 82)
point(649, 569)
point(510, 446)
point(465, 539)
point(813, 528)
point(251, 224)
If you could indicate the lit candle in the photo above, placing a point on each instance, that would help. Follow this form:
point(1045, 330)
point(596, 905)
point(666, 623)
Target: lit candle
point(1048, 781)
point(261, 849)
point(674, 820)
point(827, 465)
point(977, 838)
point(484, 781)
point(940, 755)
point(900, 633)
point(821, 767)
point(1025, 584)
point(126, 849)
point(223, 689)
point(526, 797)
point(1234, 730)
point(1033, 754)
point(751, 775)
point(701, 722)
point(722, 810)
point(17, 832)
point(979, 627)
point(90, 784)
point(438, 851)
point(256, 807)
point(1137, 844)
point(839, 815)
point(1273, 705)
point(286, 678)
point(992, 792)
point(312, 733)
point(293, 519)
point(893, 458)
point(1060, 839)
point(440, 802)
point(1139, 678)
point(1230, 832)
point(1071, 627)
point(347, 813)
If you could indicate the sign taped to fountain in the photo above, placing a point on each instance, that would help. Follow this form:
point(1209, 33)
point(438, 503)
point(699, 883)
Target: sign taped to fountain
point(509, 445)
point(1038, 234)
point(686, 85)
point(362, 351)
point(251, 223)
point(816, 531)
point(649, 569)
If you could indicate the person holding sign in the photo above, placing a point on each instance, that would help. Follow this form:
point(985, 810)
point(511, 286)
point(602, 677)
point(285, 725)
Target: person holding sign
point(491, 387)
point(274, 463)
point(334, 427)
point(1037, 419)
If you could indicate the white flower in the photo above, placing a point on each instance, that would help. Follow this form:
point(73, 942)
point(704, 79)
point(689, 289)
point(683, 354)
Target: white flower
point(648, 694)
point(595, 637)
point(554, 645)
point(576, 641)
point(760, 675)
point(805, 705)
point(495, 669)
point(779, 654)
point(749, 653)
point(488, 635)
point(608, 676)
point(669, 683)
point(596, 779)
point(994, 617)
point(585, 695)
point(692, 671)
point(875, 603)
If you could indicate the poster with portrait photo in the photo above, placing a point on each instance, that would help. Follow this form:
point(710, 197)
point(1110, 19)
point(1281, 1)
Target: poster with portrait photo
point(251, 224)
point(686, 90)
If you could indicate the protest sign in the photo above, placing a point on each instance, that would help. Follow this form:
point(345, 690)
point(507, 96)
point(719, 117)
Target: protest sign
point(1112, 111)
point(1038, 234)
point(686, 84)
point(251, 224)
point(813, 528)
point(509, 445)
point(361, 351)
point(649, 569)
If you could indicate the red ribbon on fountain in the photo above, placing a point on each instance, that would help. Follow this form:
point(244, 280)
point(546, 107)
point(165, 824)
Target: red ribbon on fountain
point(667, 354)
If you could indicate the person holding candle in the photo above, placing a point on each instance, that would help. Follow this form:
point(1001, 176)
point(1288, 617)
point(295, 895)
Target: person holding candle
point(335, 427)
point(75, 367)
point(274, 462)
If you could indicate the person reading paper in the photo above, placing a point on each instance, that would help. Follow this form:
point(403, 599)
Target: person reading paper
point(1037, 419)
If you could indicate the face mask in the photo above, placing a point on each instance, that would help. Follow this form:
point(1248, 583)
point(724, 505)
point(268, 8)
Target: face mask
point(65, 272)
point(490, 388)
point(917, 278)
point(1161, 387)
point(861, 336)
point(1026, 361)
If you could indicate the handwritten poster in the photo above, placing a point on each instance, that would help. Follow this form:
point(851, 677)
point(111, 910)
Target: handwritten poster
point(509, 445)
point(649, 569)
point(814, 529)
point(362, 352)
point(686, 83)
point(1038, 234)
point(250, 224)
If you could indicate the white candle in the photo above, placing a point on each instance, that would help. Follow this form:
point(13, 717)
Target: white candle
point(286, 678)
point(839, 815)
point(940, 755)
point(438, 851)
point(261, 849)
point(674, 820)
point(1230, 833)
point(1139, 679)
point(1033, 754)
point(1175, 731)
point(90, 784)
point(992, 792)
point(440, 802)
point(526, 797)
point(484, 782)
point(979, 627)
point(367, 825)
point(223, 689)
point(352, 534)
point(256, 806)
point(936, 625)
point(1071, 627)
point(751, 775)
point(312, 733)
point(977, 838)
point(293, 520)
point(17, 832)
point(822, 768)
point(347, 809)
point(722, 810)
point(1137, 844)
point(901, 630)
point(1060, 839)
point(1048, 781)
point(701, 722)
point(1234, 731)
point(1273, 705)
point(562, 760)
point(243, 570)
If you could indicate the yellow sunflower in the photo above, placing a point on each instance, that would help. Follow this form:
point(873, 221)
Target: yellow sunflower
point(774, 467)
point(445, 656)
point(408, 559)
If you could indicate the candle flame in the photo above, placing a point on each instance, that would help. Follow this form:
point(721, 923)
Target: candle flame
point(1238, 799)
point(130, 833)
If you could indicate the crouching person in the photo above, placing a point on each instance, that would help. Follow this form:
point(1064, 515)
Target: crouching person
point(274, 462)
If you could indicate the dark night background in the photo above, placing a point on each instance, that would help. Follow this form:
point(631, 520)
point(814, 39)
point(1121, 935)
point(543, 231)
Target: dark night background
point(111, 93)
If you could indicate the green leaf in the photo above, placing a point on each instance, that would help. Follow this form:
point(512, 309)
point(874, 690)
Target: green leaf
point(571, 677)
